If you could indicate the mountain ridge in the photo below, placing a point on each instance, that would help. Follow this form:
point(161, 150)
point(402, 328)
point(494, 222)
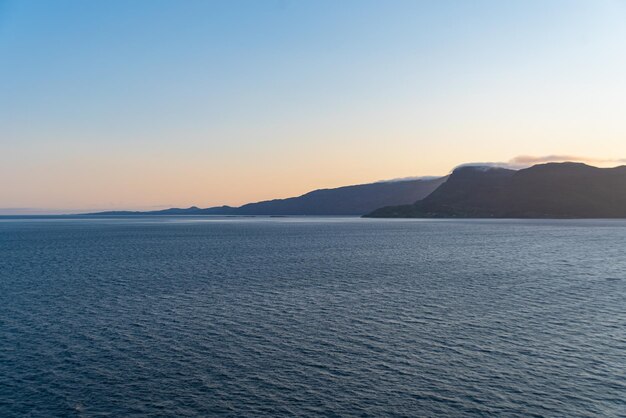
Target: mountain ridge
point(346, 200)
point(550, 190)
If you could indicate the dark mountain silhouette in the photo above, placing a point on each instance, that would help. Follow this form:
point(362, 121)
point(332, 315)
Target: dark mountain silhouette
point(554, 190)
point(348, 200)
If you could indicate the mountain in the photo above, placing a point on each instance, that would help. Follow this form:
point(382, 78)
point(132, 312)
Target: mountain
point(348, 200)
point(554, 190)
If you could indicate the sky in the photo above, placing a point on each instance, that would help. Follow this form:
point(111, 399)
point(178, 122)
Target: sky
point(151, 104)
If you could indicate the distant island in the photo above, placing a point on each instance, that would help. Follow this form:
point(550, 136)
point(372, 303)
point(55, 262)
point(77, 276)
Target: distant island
point(349, 200)
point(553, 190)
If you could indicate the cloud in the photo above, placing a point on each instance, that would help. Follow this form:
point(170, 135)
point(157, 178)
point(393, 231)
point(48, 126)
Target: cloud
point(528, 160)
point(409, 179)
point(525, 161)
point(485, 165)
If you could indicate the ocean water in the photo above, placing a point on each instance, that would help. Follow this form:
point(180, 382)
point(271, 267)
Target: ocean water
point(312, 317)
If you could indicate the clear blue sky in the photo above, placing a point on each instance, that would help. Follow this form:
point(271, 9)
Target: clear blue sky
point(137, 104)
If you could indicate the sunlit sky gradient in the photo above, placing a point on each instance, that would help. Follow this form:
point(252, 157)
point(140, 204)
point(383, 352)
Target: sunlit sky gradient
point(149, 104)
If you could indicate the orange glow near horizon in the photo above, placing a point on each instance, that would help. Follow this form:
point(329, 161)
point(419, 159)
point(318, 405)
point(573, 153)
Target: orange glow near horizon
point(111, 105)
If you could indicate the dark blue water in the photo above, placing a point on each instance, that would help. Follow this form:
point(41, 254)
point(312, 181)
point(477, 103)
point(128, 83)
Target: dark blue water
point(294, 317)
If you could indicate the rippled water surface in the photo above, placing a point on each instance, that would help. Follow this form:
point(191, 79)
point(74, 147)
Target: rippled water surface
point(307, 317)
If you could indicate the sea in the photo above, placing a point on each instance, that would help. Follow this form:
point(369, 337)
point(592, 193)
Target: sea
point(306, 317)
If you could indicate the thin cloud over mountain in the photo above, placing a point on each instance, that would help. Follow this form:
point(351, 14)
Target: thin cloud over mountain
point(410, 178)
point(528, 160)
point(525, 161)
